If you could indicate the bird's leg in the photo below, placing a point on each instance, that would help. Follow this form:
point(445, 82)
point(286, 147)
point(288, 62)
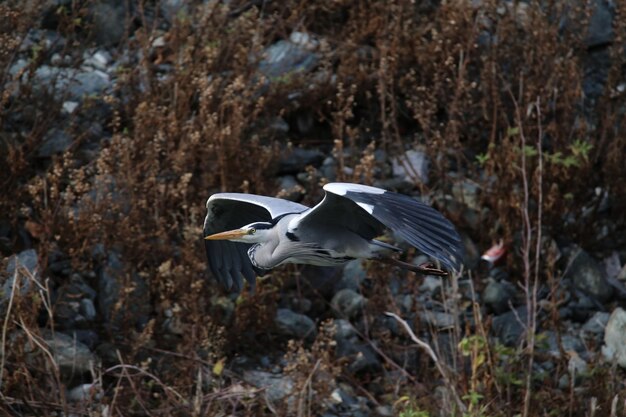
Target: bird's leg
point(427, 268)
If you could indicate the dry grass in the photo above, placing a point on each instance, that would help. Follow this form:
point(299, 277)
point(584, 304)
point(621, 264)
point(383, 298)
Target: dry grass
point(494, 96)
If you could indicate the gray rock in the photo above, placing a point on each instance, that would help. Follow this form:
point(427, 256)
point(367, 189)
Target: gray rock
point(499, 295)
point(621, 276)
point(289, 188)
point(596, 324)
point(384, 411)
point(431, 285)
point(600, 30)
point(171, 9)
point(26, 260)
point(468, 193)
point(279, 125)
point(365, 359)
point(70, 106)
point(344, 330)
point(471, 253)
point(109, 21)
point(22, 266)
point(548, 343)
point(75, 83)
point(276, 386)
point(411, 167)
point(135, 307)
point(287, 57)
point(508, 328)
point(56, 141)
point(87, 337)
point(296, 325)
point(99, 60)
point(596, 66)
point(438, 319)
point(298, 159)
point(72, 357)
point(348, 303)
point(73, 303)
point(587, 275)
point(85, 393)
point(88, 309)
point(329, 169)
point(614, 348)
point(352, 277)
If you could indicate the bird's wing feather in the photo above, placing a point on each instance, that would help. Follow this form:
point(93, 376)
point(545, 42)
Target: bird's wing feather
point(365, 209)
point(229, 261)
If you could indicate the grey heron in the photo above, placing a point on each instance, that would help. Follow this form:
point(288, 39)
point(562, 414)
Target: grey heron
point(247, 235)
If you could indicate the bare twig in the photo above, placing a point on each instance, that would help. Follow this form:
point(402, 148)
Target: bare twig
point(5, 325)
point(435, 359)
point(305, 399)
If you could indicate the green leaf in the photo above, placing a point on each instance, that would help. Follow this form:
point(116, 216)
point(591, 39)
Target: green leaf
point(530, 151)
point(512, 131)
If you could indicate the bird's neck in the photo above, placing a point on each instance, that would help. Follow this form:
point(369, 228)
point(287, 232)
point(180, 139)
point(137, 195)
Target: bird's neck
point(260, 255)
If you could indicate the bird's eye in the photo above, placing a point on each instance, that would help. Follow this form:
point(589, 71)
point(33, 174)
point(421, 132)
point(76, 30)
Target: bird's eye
point(252, 231)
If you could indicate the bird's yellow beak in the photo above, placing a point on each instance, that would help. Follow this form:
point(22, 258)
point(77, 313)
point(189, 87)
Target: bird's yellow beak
point(231, 234)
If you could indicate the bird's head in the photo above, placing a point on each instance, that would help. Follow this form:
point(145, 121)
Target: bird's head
point(251, 233)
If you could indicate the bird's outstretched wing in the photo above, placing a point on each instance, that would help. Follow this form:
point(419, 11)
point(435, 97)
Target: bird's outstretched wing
point(367, 211)
point(229, 261)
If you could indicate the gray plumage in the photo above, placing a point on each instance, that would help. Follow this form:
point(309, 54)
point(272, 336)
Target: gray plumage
point(249, 235)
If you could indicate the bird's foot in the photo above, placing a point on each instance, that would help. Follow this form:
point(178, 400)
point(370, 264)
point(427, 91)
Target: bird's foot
point(427, 268)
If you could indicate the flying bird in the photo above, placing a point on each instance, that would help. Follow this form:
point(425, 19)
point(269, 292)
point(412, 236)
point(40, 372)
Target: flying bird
point(248, 235)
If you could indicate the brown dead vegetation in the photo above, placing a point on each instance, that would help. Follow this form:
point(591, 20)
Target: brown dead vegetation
point(468, 83)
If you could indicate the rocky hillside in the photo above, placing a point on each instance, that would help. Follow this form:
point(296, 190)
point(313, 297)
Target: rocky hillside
point(119, 119)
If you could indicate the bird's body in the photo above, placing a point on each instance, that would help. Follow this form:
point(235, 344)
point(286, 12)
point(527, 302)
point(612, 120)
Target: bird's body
point(248, 235)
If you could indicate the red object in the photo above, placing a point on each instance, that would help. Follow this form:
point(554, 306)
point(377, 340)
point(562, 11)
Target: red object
point(494, 253)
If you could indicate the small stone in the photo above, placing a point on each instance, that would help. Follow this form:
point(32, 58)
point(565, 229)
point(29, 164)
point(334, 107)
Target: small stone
point(348, 303)
point(412, 167)
point(344, 329)
point(622, 274)
point(303, 39)
point(285, 58)
point(296, 325)
point(159, 42)
point(279, 125)
point(614, 348)
point(87, 309)
point(69, 106)
point(276, 387)
point(85, 393)
point(438, 319)
point(384, 411)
